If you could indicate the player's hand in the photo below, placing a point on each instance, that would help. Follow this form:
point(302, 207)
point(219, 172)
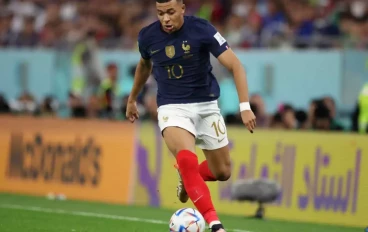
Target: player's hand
point(132, 111)
point(249, 119)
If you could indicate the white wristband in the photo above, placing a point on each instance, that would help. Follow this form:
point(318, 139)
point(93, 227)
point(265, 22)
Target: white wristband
point(244, 106)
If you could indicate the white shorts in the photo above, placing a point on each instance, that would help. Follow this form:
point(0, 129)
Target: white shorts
point(203, 120)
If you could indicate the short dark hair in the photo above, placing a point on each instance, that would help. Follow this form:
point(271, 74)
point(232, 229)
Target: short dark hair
point(301, 116)
point(163, 1)
point(321, 111)
point(276, 118)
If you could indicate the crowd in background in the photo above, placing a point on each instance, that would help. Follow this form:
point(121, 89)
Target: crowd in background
point(320, 116)
point(85, 26)
point(245, 23)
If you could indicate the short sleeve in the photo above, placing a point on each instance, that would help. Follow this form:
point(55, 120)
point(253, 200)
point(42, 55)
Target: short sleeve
point(142, 48)
point(215, 43)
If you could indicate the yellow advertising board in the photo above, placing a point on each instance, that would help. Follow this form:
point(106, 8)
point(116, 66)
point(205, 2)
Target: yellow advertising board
point(82, 159)
point(323, 175)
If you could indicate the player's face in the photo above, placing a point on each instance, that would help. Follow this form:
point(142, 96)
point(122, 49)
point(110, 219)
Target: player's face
point(171, 15)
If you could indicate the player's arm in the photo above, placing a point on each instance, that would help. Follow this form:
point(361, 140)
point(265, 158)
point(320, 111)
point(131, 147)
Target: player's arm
point(220, 49)
point(143, 71)
point(230, 61)
point(233, 64)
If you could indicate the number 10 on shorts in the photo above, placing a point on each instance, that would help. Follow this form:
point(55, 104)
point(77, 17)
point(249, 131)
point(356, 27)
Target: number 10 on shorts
point(219, 128)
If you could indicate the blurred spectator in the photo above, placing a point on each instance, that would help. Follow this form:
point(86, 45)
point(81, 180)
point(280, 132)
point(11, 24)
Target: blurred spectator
point(7, 36)
point(93, 107)
point(247, 23)
point(276, 122)
point(355, 118)
point(302, 119)
point(311, 109)
point(253, 26)
point(330, 104)
point(28, 36)
point(259, 109)
point(77, 107)
point(235, 26)
point(301, 16)
point(322, 119)
point(363, 110)
point(87, 71)
point(206, 9)
point(48, 107)
point(108, 91)
point(288, 116)
point(26, 104)
point(274, 23)
point(4, 106)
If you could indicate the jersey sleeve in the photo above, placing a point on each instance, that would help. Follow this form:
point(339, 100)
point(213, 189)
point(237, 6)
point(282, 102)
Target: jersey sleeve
point(142, 47)
point(215, 43)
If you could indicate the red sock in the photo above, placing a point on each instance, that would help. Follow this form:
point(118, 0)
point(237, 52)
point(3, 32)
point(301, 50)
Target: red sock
point(195, 186)
point(205, 172)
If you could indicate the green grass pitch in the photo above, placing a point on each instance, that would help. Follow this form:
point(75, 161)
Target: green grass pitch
point(37, 214)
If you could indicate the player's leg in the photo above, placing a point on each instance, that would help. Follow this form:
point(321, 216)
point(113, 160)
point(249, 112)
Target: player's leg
point(178, 119)
point(214, 142)
point(178, 128)
point(177, 140)
point(217, 165)
point(177, 123)
point(212, 137)
point(182, 143)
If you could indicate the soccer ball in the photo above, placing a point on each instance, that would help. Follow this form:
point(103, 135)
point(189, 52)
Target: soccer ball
point(187, 220)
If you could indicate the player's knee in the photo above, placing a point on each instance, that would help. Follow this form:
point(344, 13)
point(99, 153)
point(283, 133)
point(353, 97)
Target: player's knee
point(223, 176)
point(224, 173)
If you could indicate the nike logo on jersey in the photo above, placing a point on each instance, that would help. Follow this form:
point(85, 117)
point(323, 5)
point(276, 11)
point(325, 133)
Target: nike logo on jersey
point(155, 51)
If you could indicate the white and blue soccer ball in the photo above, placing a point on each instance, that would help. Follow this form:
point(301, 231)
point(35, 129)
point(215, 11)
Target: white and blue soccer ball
point(187, 220)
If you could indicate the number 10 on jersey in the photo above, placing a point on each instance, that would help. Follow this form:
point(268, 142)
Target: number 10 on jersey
point(175, 71)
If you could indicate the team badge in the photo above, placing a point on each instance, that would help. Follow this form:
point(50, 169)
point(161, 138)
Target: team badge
point(170, 51)
point(186, 47)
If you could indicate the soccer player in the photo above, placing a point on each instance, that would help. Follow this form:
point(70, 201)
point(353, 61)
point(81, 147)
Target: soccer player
point(177, 50)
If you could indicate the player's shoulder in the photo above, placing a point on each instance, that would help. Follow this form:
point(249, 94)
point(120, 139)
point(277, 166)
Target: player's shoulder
point(199, 24)
point(147, 32)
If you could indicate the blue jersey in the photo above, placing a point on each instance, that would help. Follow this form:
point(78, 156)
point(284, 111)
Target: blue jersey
point(181, 60)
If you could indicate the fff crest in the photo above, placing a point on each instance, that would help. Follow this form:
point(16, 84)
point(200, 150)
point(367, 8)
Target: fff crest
point(186, 47)
point(170, 51)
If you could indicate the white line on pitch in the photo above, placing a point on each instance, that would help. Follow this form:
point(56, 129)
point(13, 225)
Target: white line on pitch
point(89, 214)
